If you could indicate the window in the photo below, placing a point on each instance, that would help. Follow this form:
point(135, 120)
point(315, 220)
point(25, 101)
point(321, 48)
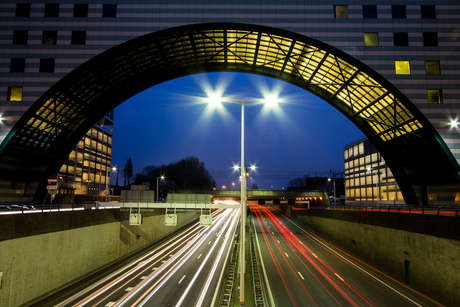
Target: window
point(434, 96)
point(341, 11)
point(369, 11)
point(20, 37)
point(49, 37)
point(22, 10)
point(109, 10)
point(14, 93)
point(398, 11)
point(371, 39)
point(428, 12)
point(402, 67)
point(80, 10)
point(430, 39)
point(18, 65)
point(432, 68)
point(78, 38)
point(46, 65)
point(52, 10)
point(400, 39)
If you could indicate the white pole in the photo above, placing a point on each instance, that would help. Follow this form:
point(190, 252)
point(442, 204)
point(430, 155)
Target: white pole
point(157, 187)
point(243, 206)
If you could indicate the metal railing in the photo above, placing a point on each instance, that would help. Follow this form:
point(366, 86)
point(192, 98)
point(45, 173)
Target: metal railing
point(40, 208)
point(426, 210)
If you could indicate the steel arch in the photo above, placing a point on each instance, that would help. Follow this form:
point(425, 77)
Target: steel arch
point(40, 141)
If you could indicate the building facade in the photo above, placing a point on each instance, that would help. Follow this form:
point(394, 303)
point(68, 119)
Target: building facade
point(414, 45)
point(368, 180)
point(88, 169)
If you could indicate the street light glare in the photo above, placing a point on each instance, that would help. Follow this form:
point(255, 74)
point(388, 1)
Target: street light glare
point(214, 100)
point(454, 123)
point(271, 101)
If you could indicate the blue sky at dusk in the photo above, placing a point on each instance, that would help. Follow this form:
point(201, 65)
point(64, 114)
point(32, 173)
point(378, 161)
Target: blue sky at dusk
point(168, 122)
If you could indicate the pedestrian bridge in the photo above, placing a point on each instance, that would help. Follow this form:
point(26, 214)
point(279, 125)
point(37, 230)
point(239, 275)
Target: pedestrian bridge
point(212, 199)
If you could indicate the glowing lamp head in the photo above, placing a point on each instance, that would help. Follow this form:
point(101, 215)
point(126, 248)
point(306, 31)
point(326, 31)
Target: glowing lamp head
point(271, 101)
point(215, 100)
point(454, 123)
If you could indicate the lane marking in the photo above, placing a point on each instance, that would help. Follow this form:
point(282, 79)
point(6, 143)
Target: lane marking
point(278, 241)
point(109, 304)
point(339, 276)
point(181, 279)
point(144, 277)
point(199, 256)
point(209, 242)
point(301, 276)
point(129, 289)
point(286, 254)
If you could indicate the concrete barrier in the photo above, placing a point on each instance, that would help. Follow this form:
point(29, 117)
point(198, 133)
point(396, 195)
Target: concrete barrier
point(41, 253)
point(420, 251)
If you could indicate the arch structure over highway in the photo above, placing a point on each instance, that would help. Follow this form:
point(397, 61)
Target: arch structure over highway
point(43, 137)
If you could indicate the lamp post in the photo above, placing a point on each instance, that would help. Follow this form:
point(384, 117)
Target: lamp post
point(218, 100)
point(162, 178)
point(116, 168)
point(333, 179)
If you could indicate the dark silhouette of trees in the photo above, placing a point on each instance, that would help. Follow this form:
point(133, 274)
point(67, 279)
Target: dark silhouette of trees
point(128, 170)
point(188, 173)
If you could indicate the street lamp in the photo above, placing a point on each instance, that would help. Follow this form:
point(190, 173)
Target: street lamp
point(215, 100)
point(162, 178)
point(333, 179)
point(116, 168)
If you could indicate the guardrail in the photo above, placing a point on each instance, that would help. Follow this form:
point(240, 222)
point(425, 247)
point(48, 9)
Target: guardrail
point(426, 210)
point(38, 208)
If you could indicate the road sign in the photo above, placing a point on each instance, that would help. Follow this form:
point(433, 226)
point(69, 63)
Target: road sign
point(106, 193)
point(52, 180)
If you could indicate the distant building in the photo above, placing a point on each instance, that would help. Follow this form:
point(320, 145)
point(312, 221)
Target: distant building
point(367, 178)
point(87, 170)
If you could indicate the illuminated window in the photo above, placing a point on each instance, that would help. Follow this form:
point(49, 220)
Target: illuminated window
point(20, 37)
point(400, 39)
point(80, 10)
point(430, 39)
point(109, 10)
point(14, 93)
point(398, 11)
point(52, 10)
point(17, 65)
point(78, 38)
point(432, 68)
point(435, 96)
point(22, 10)
point(49, 37)
point(371, 39)
point(428, 12)
point(369, 11)
point(341, 11)
point(402, 67)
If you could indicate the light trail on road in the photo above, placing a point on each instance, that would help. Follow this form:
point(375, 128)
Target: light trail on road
point(168, 268)
point(312, 272)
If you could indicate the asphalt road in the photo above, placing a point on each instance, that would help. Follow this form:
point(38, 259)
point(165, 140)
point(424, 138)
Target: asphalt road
point(304, 270)
point(185, 271)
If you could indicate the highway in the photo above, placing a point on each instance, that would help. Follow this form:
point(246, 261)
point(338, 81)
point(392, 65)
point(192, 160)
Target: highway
point(304, 270)
point(180, 272)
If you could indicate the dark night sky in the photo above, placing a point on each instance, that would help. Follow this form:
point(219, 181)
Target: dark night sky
point(168, 122)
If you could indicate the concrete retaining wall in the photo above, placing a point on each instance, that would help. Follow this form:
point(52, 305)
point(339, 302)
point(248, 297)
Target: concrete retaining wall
point(434, 262)
point(39, 253)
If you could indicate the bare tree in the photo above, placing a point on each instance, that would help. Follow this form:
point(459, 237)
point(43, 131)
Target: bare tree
point(128, 170)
